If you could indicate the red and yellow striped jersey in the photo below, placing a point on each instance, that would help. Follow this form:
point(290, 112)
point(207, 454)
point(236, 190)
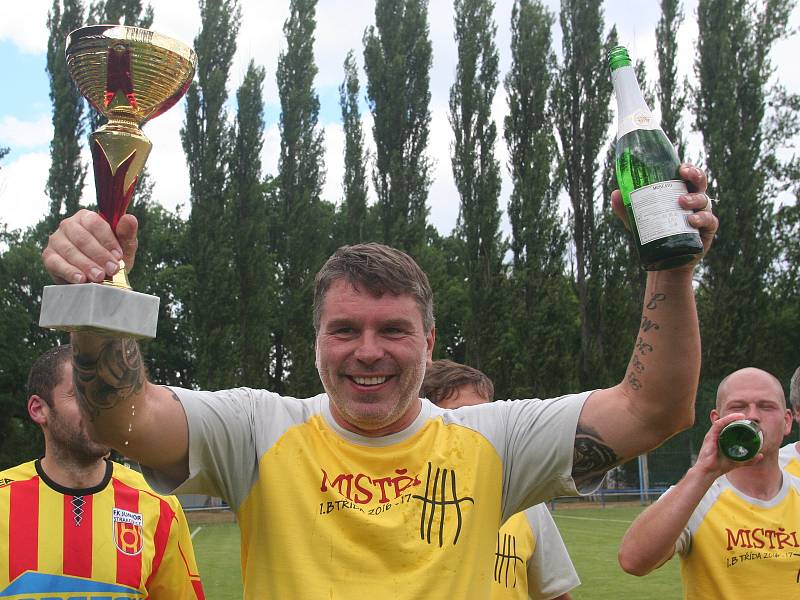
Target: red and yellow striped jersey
point(117, 540)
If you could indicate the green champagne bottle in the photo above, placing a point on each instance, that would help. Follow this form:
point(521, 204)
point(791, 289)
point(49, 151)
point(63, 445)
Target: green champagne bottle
point(740, 440)
point(647, 175)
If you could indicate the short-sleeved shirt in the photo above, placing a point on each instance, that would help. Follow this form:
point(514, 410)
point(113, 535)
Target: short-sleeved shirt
point(327, 513)
point(531, 560)
point(789, 459)
point(118, 540)
point(735, 546)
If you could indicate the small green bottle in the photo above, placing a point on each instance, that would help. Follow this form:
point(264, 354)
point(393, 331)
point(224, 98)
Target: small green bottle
point(647, 175)
point(740, 440)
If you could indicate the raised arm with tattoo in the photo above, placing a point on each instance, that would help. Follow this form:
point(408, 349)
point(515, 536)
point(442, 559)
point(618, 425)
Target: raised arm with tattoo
point(655, 400)
point(142, 420)
point(127, 412)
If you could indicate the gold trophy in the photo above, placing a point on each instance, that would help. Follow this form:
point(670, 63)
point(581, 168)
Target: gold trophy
point(129, 75)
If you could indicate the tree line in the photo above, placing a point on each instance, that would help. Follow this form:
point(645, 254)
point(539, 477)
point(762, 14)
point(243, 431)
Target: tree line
point(551, 308)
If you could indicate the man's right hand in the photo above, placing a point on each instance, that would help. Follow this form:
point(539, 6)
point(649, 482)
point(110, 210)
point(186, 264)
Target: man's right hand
point(84, 249)
point(710, 460)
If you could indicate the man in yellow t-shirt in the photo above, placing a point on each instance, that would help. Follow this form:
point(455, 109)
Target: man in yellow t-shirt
point(789, 456)
point(368, 490)
point(735, 526)
point(75, 524)
point(530, 559)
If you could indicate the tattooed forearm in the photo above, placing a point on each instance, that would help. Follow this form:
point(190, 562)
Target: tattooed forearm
point(637, 366)
point(648, 324)
point(114, 374)
point(591, 457)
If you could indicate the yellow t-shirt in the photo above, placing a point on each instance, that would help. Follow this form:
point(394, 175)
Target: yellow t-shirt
point(119, 540)
point(325, 513)
point(735, 546)
point(530, 559)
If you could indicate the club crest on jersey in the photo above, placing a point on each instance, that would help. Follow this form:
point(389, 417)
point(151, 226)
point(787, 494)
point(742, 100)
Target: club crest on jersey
point(128, 536)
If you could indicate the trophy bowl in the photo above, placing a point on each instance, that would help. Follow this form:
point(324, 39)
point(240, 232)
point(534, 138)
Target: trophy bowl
point(130, 75)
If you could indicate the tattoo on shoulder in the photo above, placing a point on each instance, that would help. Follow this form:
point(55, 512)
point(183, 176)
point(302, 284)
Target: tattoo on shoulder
point(172, 393)
point(591, 457)
point(114, 374)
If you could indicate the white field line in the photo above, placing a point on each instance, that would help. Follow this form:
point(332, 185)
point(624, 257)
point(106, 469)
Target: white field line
point(195, 531)
point(556, 514)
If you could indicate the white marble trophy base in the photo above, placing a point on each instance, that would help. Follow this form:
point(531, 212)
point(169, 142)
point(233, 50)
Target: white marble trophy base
point(100, 309)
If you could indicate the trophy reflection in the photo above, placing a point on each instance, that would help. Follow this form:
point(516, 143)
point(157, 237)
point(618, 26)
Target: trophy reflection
point(130, 75)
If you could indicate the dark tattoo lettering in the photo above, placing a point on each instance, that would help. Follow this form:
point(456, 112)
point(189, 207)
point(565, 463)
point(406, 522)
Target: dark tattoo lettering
point(655, 299)
point(643, 347)
point(115, 374)
point(591, 456)
point(637, 364)
point(647, 324)
point(634, 382)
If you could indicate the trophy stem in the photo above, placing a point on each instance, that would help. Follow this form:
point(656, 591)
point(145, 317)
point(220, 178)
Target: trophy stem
point(120, 278)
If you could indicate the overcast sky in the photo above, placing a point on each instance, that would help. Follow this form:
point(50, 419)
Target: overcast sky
point(25, 110)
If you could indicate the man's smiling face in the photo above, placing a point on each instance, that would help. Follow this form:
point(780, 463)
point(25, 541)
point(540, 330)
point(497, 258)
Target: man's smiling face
point(371, 353)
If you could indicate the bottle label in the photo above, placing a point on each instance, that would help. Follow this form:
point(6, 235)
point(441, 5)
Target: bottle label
point(639, 119)
point(657, 212)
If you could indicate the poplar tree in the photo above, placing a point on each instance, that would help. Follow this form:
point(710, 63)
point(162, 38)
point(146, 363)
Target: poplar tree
point(476, 173)
point(744, 123)
point(303, 245)
point(252, 258)
point(581, 97)
point(397, 60)
point(542, 307)
point(671, 95)
point(352, 217)
point(206, 141)
point(124, 12)
point(67, 170)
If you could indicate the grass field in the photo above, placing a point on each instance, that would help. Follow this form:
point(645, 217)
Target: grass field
point(592, 536)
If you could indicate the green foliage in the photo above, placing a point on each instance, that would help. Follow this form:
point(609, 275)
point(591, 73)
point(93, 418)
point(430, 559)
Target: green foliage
point(124, 12)
point(67, 171)
point(163, 269)
point(397, 59)
point(743, 124)
point(581, 96)
point(22, 278)
point(304, 221)
point(440, 258)
point(207, 143)
point(476, 172)
point(254, 263)
point(671, 95)
point(351, 219)
point(539, 344)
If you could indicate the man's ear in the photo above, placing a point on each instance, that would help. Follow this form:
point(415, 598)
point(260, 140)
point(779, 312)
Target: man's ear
point(38, 410)
point(430, 341)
